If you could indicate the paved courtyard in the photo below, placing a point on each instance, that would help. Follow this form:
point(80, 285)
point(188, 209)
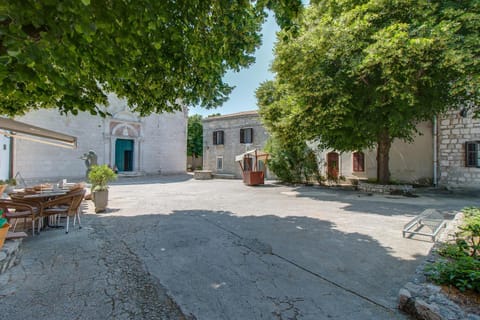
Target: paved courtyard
point(177, 248)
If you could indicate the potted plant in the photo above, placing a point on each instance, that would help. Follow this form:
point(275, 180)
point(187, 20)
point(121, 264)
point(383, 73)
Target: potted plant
point(99, 176)
point(3, 229)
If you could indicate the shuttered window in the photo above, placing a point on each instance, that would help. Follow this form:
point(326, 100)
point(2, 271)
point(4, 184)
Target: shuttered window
point(246, 135)
point(219, 163)
point(358, 162)
point(218, 137)
point(472, 154)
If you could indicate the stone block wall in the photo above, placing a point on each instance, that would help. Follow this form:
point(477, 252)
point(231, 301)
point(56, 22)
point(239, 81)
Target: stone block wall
point(454, 131)
point(230, 125)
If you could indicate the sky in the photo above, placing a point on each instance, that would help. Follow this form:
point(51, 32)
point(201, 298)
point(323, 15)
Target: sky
point(242, 98)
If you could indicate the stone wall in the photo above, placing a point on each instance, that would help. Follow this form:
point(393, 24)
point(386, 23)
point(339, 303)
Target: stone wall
point(454, 131)
point(160, 142)
point(231, 125)
point(380, 188)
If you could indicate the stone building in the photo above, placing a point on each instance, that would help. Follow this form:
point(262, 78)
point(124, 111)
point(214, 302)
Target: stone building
point(459, 150)
point(227, 136)
point(135, 145)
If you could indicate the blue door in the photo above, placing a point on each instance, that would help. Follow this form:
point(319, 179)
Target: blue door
point(124, 154)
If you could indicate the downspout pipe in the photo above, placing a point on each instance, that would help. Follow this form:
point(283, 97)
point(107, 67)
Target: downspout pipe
point(435, 152)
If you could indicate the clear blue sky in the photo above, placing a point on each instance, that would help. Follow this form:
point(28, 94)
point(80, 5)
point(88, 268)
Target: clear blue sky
point(247, 81)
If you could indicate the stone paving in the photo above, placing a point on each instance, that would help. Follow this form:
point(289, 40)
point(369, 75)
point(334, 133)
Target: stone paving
point(177, 248)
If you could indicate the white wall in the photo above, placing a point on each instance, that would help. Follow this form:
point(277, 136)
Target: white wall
point(162, 143)
point(4, 157)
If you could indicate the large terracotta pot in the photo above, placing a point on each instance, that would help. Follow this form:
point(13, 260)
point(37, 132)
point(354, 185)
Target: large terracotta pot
point(3, 233)
point(100, 199)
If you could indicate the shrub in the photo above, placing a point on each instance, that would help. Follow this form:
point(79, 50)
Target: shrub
point(460, 265)
point(100, 176)
point(462, 272)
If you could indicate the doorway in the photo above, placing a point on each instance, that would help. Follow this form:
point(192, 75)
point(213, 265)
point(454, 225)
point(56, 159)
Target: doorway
point(332, 164)
point(124, 154)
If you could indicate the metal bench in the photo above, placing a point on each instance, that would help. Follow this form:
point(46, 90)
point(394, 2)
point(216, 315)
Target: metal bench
point(428, 223)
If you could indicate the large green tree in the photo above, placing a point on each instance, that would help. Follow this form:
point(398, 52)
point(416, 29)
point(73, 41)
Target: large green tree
point(68, 54)
point(195, 136)
point(359, 74)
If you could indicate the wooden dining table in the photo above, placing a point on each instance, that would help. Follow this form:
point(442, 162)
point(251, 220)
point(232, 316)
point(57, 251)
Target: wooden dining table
point(39, 197)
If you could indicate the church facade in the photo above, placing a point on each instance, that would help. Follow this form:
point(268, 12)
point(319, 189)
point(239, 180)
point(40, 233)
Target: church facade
point(135, 145)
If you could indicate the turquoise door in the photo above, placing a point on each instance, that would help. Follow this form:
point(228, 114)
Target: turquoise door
point(124, 154)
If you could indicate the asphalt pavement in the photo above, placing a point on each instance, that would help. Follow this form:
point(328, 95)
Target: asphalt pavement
point(178, 248)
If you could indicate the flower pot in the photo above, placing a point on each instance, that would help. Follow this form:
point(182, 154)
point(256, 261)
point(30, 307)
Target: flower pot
point(100, 199)
point(3, 233)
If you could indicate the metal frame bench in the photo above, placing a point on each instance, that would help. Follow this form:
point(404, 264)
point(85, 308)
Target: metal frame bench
point(428, 223)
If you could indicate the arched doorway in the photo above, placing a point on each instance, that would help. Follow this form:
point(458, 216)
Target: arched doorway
point(332, 166)
point(124, 154)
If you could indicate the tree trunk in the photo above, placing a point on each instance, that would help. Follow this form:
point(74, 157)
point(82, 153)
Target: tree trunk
point(383, 150)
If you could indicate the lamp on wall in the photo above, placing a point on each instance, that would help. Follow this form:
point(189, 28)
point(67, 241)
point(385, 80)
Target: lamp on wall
point(463, 112)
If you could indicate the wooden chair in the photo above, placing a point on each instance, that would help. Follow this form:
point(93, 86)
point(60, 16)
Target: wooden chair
point(17, 210)
point(68, 205)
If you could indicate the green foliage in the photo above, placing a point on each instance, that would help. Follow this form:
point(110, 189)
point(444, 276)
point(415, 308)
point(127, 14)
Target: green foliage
point(360, 74)
point(463, 273)
point(293, 163)
point(99, 176)
point(195, 136)
point(470, 230)
point(157, 54)
point(461, 264)
point(10, 182)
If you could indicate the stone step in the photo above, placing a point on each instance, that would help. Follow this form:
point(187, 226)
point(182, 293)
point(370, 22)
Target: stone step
point(223, 176)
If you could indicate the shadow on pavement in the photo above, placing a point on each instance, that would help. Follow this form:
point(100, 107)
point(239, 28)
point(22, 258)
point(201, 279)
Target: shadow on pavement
point(262, 260)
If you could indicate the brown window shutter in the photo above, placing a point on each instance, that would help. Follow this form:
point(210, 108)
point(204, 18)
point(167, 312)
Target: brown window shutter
point(358, 162)
point(361, 161)
point(242, 135)
point(251, 135)
point(214, 137)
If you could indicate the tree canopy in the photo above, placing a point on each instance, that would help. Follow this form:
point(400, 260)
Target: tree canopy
point(359, 74)
point(195, 136)
point(69, 54)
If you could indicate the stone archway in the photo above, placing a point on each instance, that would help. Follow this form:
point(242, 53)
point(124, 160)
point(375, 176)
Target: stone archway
point(125, 145)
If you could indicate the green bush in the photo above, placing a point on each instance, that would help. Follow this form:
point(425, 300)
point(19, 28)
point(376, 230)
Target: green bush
point(460, 265)
point(462, 272)
point(293, 162)
point(100, 176)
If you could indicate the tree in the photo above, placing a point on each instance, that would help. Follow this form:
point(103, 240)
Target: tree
point(360, 74)
point(290, 158)
point(195, 136)
point(68, 54)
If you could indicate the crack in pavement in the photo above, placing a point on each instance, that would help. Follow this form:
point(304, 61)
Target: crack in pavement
point(262, 248)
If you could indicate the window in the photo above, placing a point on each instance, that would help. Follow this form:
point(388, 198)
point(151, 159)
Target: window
point(219, 163)
point(246, 135)
point(218, 137)
point(358, 162)
point(472, 154)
